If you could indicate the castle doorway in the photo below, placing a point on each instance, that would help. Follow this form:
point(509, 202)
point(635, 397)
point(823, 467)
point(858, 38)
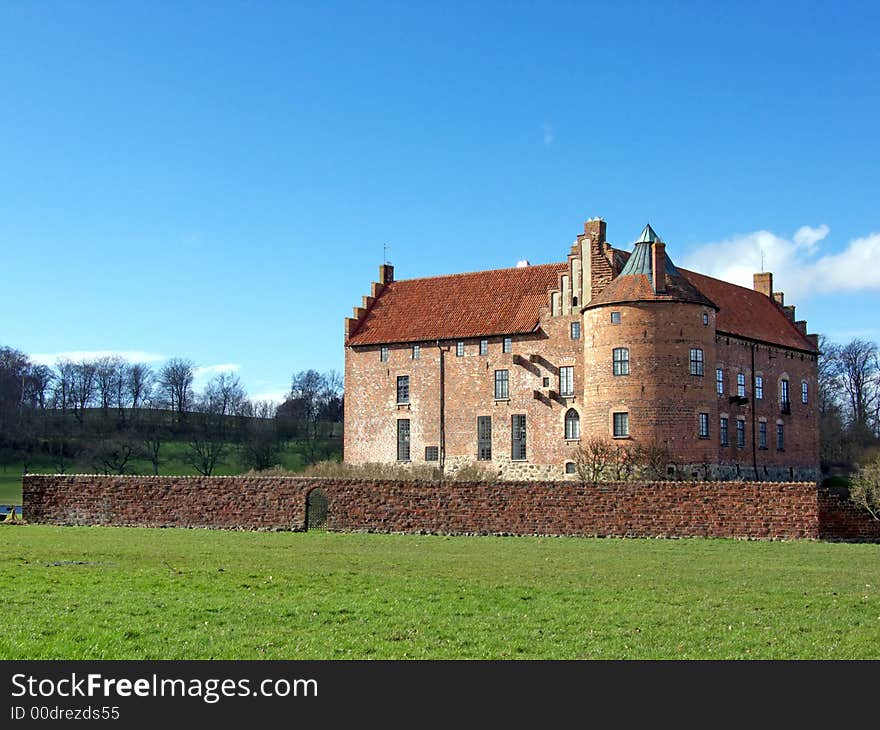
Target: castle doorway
point(317, 505)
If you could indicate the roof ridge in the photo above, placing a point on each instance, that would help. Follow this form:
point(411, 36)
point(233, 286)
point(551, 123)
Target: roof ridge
point(483, 271)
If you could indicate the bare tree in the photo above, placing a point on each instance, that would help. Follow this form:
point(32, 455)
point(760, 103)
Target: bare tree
point(108, 377)
point(865, 488)
point(139, 381)
point(83, 387)
point(226, 395)
point(592, 458)
point(858, 375)
point(176, 378)
point(39, 385)
point(654, 459)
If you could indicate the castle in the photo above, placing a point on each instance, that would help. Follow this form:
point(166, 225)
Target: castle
point(516, 368)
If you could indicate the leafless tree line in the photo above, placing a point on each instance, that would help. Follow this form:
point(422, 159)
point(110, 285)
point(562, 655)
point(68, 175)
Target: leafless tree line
point(119, 411)
point(849, 399)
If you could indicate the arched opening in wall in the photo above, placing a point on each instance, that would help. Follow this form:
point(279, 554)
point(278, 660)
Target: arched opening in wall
point(317, 505)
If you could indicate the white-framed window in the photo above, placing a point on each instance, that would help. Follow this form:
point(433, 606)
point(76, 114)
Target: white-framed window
point(741, 385)
point(575, 330)
point(383, 353)
point(696, 361)
point(566, 380)
point(704, 425)
point(615, 318)
point(620, 360)
point(403, 439)
point(507, 345)
point(459, 349)
point(783, 393)
point(705, 318)
point(805, 392)
point(502, 384)
point(416, 352)
point(518, 437)
point(759, 387)
point(402, 389)
point(484, 347)
point(719, 381)
point(572, 425)
point(621, 425)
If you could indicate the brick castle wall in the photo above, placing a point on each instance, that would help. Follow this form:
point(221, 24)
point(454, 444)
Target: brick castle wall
point(662, 509)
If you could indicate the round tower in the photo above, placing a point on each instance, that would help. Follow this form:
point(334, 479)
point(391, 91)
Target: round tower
point(649, 360)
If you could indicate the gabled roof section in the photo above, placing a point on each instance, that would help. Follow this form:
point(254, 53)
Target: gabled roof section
point(747, 313)
point(458, 306)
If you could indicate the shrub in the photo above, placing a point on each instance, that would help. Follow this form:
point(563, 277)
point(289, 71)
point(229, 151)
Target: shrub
point(864, 488)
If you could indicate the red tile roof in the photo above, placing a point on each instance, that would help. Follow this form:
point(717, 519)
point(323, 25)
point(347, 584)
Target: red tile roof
point(749, 313)
point(507, 302)
point(483, 303)
point(638, 288)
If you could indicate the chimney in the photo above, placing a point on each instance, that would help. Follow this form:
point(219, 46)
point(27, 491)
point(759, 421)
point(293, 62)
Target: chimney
point(779, 298)
point(594, 229)
point(386, 274)
point(801, 324)
point(763, 283)
point(658, 267)
point(789, 312)
point(814, 339)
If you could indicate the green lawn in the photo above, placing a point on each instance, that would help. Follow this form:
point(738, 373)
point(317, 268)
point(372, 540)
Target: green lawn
point(116, 593)
point(172, 463)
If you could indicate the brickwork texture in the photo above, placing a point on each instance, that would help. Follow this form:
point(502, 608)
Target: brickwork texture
point(764, 510)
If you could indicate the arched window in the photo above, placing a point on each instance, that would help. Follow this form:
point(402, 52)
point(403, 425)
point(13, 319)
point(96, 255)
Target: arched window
point(572, 425)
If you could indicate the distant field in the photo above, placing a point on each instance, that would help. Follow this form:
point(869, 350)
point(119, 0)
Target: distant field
point(172, 463)
point(116, 593)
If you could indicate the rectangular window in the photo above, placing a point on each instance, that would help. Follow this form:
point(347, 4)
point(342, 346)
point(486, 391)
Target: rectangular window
point(759, 388)
point(507, 345)
point(741, 385)
point(740, 433)
point(403, 388)
point(484, 438)
point(621, 425)
point(621, 360)
point(762, 434)
point(484, 347)
point(575, 330)
point(704, 425)
point(783, 396)
point(416, 352)
point(566, 380)
point(615, 318)
point(722, 430)
point(805, 392)
point(403, 439)
point(518, 437)
point(383, 353)
point(780, 437)
point(719, 381)
point(432, 453)
point(696, 361)
point(459, 349)
point(501, 384)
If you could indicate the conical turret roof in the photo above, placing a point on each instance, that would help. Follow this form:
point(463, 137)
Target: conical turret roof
point(634, 282)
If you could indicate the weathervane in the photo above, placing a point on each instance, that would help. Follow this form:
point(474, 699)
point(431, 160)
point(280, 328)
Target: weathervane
point(385, 248)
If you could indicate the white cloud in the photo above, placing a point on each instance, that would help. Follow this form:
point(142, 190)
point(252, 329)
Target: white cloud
point(206, 371)
point(51, 358)
point(799, 269)
point(549, 136)
point(274, 396)
point(808, 237)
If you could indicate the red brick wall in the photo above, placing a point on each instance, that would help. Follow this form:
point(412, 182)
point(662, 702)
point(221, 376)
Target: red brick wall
point(662, 509)
point(840, 519)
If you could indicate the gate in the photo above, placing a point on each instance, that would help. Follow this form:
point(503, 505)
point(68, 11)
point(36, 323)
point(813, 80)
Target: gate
point(316, 510)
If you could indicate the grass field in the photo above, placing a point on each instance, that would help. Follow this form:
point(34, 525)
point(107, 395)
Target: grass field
point(114, 593)
point(173, 462)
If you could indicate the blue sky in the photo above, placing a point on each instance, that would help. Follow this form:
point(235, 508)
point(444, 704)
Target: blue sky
point(216, 180)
